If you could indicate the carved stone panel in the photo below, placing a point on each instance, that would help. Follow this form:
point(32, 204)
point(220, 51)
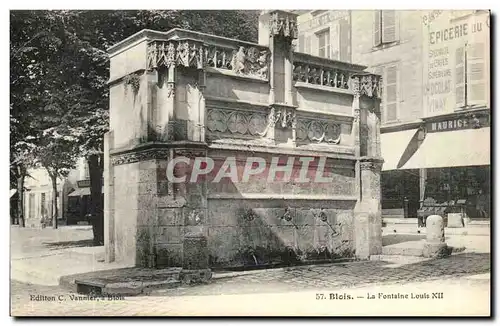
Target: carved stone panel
point(237, 122)
point(318, 131)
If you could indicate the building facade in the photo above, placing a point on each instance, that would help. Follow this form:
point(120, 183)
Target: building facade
point(73, 196)
point(435, 100)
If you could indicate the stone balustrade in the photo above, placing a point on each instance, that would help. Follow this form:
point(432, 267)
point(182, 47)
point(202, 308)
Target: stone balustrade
point(239, 57)
point(330, 73)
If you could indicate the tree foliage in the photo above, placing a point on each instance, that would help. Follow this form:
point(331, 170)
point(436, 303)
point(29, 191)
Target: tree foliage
point(59, 68)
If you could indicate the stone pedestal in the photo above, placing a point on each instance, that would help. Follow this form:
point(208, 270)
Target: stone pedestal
point(368, 213)
point(195, 265)
point(435, 245)
point(455, 220)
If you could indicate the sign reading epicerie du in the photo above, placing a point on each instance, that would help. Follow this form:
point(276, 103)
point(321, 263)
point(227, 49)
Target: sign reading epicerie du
point(444, 33)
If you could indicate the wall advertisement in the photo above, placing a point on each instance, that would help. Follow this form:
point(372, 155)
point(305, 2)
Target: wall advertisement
point(456, 52)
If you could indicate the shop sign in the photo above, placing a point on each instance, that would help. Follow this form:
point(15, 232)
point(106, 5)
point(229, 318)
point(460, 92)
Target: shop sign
point(458, 123)
point(326, 18)
point(83, 183)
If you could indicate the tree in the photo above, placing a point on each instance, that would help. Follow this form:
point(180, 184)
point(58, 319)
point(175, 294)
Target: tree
point(59, 69)
point(57, 154)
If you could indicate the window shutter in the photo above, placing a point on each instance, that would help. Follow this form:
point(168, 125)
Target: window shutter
point(345, 40)
point(377, 22)
point(335, 41)
point(301, 43)
point(391, 91)
point(388, 26)
point(476, 74)
point(307, 45)
point(460, 77)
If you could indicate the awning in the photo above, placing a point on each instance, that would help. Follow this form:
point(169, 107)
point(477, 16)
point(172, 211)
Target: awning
point(468, 147)
point(393, 145)
point(80, 192)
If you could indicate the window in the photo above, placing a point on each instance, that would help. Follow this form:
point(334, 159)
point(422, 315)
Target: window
point(31, 205)
point(86, 174)
point(324, 43)
point(307, 45)
point(385, 27)
point(301, 43)
point(43, 209)
point(390, 77)
point(470, 75)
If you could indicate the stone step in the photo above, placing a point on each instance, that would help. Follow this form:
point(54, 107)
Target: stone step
point(123, 281)
point(395, 250)
point(127, 288)
point(398, 259)
point(388, 221)
point(407, 229)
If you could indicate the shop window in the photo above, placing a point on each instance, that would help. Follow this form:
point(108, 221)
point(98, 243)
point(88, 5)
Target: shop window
point(385, 27)
point(324, 43)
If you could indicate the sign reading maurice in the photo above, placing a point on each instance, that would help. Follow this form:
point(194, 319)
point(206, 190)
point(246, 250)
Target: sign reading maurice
point(455, 60)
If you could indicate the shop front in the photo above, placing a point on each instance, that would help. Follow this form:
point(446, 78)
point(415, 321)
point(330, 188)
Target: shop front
point(453, 160)
point(400, 188)
point(79, 204)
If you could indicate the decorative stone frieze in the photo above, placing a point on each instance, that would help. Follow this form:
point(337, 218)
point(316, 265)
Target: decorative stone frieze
point(318, 131)
point(251, 61)
point(283, 26)
point(190, 152)
point(133, 157)
point(282, 117)
point(374, 164)
point(176, 53)
point(367, 84)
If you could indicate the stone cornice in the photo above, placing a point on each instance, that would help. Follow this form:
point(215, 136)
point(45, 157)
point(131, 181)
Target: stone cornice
point(371, 163)
point(152, 151)
point(339, 152)
point(174, 34)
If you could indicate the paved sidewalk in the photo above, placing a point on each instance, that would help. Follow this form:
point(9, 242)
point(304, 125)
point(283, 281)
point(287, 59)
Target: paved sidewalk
point(42, 256)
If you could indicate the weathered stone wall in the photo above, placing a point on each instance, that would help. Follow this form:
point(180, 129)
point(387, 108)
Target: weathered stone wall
point(126, 211)
point(324, 101)
point(257, 231)
point(241, 89)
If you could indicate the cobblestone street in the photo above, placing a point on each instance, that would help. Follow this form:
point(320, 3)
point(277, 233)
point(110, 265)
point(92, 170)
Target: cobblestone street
point(466, 273)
